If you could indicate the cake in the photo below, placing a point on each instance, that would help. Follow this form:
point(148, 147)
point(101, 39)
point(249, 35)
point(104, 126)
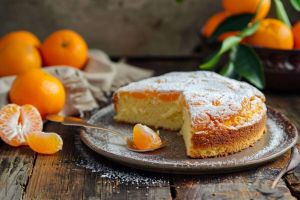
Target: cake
point(216, 115)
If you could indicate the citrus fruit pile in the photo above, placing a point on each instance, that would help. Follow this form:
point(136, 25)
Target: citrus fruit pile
point(22, 54)
point(34, 93)
point(22, 125)
point(63, 47)
point(272, 33)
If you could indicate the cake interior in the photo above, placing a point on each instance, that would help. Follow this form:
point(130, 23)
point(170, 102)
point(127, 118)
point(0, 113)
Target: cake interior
point(159, 111)
point(169, 111)
point(155, 111)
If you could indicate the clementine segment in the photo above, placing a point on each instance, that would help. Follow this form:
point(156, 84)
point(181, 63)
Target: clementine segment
point(20, 36)
point(248, 6)
point(65, 47)
point(145, 138)
point(45, 143)
point(18, 57)
point(17, 121)
point(272, 33)
point(39, 89)
point(296, 33)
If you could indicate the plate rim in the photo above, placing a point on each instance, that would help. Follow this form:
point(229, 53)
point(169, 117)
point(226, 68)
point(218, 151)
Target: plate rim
point(182, 169)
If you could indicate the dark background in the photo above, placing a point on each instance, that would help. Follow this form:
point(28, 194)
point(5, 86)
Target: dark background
point(119, 27)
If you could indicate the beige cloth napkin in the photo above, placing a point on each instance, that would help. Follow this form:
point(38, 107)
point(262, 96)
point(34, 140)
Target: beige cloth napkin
point(86, 89)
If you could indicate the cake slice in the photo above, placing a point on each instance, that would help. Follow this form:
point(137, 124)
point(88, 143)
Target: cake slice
point(215, 115)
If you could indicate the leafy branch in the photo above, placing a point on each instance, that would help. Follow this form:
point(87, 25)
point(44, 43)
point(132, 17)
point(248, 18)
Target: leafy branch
point(243, 61)
point(232, 23)
point(295, 4)
point(281, 13)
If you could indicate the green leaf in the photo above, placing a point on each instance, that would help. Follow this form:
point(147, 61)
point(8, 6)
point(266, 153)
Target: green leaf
point(249, 30)
point(281, 13)
point(232, 23)
point(226, 45)
point(295, 4)
point(209, 65)
point(179, 1)
point(248, 65)
point(227, 70)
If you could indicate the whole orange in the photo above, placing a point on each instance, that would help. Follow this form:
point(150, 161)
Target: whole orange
point(248, 6)
point(272, 33)
point(227, 35)
point(40, 89)
point(18, 57)
point(213, 22)
point(22, 36)
point(65, 47)
point(296, 33)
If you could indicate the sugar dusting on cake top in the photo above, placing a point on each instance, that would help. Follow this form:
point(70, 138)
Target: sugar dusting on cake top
point(207, 94)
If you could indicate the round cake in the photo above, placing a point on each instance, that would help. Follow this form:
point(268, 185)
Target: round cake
point(216, 115)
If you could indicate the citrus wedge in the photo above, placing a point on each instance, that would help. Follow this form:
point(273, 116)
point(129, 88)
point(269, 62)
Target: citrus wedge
point(17, 121)
point(145, 138)
point(44, 143)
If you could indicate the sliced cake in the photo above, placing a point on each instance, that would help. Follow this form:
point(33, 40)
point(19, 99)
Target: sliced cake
point(215, 115)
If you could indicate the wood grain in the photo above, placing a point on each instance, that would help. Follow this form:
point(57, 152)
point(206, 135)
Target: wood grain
point(58, 177)
point(100, 188)
point(293, 181)
point(289, 104)
point(16, 165)
point(234, 186)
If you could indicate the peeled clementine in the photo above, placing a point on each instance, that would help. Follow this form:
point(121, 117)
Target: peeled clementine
point(17, 121)
point(39, 89)
point(145, 138)
point(248, 6)
point(45, 143)
point(65, 47)
point(20, 36)
point(296, 33)
point(18, 57)
point(272, 33)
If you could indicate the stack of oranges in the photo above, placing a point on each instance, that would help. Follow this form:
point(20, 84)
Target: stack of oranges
point(272, 33)
point(35, 93)
point(63, 47)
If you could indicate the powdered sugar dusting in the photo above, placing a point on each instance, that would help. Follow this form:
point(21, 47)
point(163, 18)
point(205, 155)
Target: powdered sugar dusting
point(115, 171)
point(274, 141)
point(204, 87)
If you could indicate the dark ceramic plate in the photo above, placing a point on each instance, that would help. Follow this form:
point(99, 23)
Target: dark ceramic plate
point(280, 136)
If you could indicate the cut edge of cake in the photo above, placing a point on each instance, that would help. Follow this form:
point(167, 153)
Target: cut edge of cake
point(170, 110)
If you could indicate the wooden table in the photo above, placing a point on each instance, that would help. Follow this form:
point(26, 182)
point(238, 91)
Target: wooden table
point(27, 175)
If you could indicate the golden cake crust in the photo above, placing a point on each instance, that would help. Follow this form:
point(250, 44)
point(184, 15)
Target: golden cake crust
point(226, 116)
point(226, 142)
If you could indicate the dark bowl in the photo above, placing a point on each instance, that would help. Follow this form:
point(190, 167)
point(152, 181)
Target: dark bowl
point(281, 67)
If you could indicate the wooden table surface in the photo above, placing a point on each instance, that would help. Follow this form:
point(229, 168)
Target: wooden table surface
point(27, 175)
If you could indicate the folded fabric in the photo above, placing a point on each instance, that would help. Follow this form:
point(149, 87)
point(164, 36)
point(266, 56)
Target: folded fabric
point(87, 88)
